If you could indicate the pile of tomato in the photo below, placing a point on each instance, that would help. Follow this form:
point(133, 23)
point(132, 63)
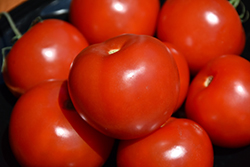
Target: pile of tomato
point(119, 72)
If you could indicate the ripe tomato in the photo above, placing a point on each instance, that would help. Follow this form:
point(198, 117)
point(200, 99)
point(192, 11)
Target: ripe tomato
point(201, 30)
point(184, 73)
point(219, 100)
point(44, 52)
point(45, 130)
point(180, 142)
point(126, 87)
point(100, 20)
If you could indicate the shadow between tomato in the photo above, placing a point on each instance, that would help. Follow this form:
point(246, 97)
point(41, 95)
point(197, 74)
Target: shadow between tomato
point(228, 157)
point(8, 156)
point(87, 133)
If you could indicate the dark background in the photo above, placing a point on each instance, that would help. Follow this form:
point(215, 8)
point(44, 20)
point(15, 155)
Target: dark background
point(23, 15)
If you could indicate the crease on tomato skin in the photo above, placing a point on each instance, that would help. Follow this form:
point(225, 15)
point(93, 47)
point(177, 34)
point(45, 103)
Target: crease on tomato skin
point(171, 119)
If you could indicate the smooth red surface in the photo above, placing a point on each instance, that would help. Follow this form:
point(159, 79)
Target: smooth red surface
point(45, 130)
point(222, 107)
point(180, 142)
point(100, 20)
point(44, 52)
point(128, 93)
point(201, 29)
point(184, 73)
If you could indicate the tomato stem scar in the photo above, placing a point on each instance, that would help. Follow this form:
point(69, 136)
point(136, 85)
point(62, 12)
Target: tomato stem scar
point(208, 81)
point(112, 51)
point(18, 35)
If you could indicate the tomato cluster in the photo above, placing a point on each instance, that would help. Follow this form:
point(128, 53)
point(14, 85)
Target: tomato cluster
point(123, 71)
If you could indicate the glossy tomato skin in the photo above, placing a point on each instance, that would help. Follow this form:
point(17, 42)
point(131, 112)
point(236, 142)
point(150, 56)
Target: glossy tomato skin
point(100, 20)
point(45, 130)
point(218, 100)
point(184, 73)
point(128, 93)
point(180, 142)
point(202, 30)
point(44, 52)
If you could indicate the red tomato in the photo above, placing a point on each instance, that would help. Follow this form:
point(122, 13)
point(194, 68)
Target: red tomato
point(44, 52)
point(125, 87)
point(100, 20)
point(180, 142)
point(219, 100)
point(201, 30)
point(184, 73)
point(45, 130)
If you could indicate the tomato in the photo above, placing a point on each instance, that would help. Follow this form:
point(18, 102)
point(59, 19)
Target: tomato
point(45, 130)
point(100, 20)
point(44, 52)
point(218, 100)
point(126, 87)
point(184, 73)
point(180, 142)
point(201, 30)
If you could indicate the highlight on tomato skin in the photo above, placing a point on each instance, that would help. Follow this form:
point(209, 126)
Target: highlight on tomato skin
point(125, 87)
point(44, 52)
point(46, 130)
point(179, 142)
point(218, 100)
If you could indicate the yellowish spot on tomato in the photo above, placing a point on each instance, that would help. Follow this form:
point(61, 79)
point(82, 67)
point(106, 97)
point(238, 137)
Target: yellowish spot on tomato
point(112, 51)
point(208, 81)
